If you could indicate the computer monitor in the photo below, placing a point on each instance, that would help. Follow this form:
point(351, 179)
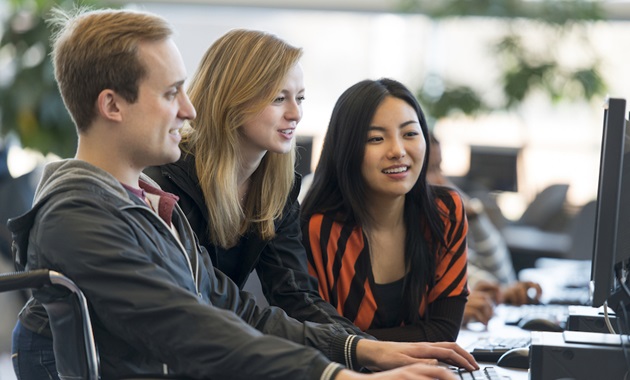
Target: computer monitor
point(493, 167)
point(612, 221)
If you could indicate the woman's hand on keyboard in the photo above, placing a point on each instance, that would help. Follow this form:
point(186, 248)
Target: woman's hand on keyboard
point(379, 355)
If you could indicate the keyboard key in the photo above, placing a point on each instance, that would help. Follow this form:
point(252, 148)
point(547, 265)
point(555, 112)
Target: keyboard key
point(487, 373)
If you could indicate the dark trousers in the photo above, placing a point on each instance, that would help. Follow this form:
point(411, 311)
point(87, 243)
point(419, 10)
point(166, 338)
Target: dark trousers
point(33, 356)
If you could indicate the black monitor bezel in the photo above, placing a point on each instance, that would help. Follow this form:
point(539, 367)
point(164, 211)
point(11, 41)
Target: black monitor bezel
point(608, 202)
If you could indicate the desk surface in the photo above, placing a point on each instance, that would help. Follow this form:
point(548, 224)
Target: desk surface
point(475, 331)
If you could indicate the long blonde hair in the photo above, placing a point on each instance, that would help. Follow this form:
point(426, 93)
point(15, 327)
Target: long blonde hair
point(240, 74)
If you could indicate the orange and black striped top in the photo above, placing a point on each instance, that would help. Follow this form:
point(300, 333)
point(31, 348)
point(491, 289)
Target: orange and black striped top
point(338, 257)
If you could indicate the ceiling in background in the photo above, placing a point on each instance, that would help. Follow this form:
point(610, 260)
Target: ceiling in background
point(615, 9)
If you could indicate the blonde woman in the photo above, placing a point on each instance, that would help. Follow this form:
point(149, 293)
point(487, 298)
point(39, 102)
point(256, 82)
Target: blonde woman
point(236, 179)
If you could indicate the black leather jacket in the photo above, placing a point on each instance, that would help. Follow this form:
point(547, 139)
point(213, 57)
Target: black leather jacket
point(152, 299)
point(279, 262)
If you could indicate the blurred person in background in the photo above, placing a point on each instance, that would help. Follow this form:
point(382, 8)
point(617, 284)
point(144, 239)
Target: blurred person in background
point(491, 276)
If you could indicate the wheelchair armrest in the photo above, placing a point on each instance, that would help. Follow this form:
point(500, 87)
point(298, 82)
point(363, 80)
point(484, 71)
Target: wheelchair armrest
point(24, 280)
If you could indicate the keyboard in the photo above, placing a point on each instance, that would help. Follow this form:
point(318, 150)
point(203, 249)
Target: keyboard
point(565, 282)
point(490, 349)
point(512, 315)
point(487, 373)
point(568, 295)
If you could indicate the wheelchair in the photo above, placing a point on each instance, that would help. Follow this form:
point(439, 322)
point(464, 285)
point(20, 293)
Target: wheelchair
point(76, 352)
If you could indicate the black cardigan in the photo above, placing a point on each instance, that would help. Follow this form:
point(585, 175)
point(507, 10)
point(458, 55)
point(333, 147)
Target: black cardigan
point(279, 262)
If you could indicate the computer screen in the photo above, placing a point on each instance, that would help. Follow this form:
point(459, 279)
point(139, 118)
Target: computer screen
point(494, 168)
point(612, 220)
point(622, 253)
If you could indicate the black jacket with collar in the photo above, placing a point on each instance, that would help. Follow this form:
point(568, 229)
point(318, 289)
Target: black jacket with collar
point(280, 262)
point(154, 304)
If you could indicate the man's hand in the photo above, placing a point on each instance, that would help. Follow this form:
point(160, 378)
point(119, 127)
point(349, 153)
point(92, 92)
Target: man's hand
point(491, 289)
point(521, 293)
point(480, 307)
point(518, 293)
point(378, 355)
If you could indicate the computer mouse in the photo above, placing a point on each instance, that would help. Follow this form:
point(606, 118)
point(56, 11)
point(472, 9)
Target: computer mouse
point(515, 358)
point(539, 324)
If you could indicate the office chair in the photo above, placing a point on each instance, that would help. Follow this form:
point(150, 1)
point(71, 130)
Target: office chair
point(547, 204)
point(76, 353)
point(583, 232)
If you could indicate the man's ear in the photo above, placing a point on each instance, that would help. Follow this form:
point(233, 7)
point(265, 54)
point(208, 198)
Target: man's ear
point(108, 105)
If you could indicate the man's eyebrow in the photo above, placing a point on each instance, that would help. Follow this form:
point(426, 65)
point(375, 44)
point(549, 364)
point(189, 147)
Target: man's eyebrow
point(178, 83)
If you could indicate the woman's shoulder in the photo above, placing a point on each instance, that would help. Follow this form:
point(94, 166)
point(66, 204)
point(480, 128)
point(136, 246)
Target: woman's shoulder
point(449, 201)
point(325, 230)
point(291, 209)
point(182, 168)
point(295, 189)
point(331, 219)
point(446, 195)
point(319, 218)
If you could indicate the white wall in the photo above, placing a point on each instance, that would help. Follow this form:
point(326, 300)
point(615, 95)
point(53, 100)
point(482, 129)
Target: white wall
point(560, 141)
point(339, 48)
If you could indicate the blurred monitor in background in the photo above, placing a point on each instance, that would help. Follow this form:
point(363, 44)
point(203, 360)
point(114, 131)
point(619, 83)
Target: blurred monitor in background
point(493, 168)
